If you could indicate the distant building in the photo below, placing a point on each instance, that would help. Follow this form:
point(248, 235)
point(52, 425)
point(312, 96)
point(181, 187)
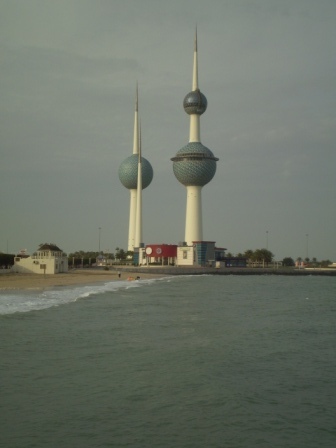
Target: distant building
point(164, 254)
point(101, 260)
point(198, 254)
point(48, 259)
point(206, 254)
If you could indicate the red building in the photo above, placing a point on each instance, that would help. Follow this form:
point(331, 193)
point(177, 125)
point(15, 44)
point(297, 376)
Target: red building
point(164, 253)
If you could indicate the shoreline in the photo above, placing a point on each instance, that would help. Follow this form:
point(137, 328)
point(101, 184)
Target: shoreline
point(13, 281)
point(174, 270)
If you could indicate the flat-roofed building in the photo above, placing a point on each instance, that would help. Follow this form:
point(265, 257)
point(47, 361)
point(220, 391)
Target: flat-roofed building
point(48, 259)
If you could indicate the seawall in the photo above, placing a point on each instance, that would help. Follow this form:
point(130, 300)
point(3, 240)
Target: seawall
point(174, 270)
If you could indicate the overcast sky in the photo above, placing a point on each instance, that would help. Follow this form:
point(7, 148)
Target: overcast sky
point(67, 82)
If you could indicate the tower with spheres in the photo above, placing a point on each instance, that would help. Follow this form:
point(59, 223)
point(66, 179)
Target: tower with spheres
point(194, 165)
point(129, 175)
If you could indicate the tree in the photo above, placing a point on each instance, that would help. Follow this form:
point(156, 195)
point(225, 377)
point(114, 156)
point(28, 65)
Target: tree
point(288, 261)
point(6, 259)
point(249, 255)
point(263, 255)
point(83, 254)
point(120, 254)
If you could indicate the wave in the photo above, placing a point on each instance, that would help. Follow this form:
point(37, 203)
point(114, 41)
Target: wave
point(24, 301)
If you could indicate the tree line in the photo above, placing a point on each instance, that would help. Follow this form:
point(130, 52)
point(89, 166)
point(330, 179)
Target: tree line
point(252, 256)
point(86, 258)
point(260, 256)
point(265, 256)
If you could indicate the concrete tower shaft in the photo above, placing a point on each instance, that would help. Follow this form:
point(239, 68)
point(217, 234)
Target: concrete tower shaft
point(136, 124)
point(138, 215)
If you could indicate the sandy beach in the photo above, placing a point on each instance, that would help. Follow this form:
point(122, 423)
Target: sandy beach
point(76, 277)
point(12, 281)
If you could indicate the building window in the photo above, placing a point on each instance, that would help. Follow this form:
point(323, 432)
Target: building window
point(185, 255)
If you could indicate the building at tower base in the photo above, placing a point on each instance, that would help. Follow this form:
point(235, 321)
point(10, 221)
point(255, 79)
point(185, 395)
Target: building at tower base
point(199, 254)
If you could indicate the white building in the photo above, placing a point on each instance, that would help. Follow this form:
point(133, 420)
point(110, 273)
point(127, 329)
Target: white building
point(48, 259)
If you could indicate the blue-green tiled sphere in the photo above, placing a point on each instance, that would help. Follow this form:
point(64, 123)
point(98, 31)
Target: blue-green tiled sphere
point(194, 164)
point(128, 172)
point(195, 103)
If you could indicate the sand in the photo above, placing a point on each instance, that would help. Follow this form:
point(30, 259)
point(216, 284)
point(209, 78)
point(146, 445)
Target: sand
point(76, 277)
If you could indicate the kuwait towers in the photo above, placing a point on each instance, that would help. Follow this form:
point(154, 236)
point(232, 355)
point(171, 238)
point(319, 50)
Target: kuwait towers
point(129, 175)
point(194, 165)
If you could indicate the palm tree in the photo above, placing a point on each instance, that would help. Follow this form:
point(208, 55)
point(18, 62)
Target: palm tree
point(249, 254)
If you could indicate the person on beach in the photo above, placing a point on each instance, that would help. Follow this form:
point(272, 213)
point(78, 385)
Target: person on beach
point(119, 274)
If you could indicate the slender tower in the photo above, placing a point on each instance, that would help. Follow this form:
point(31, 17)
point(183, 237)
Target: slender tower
point(194, 165)
point(138, 217)
point(129, 174)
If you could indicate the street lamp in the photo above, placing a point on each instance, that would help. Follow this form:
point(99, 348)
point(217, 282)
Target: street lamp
point(307, 238)
point(99, 239)
point(267, 239)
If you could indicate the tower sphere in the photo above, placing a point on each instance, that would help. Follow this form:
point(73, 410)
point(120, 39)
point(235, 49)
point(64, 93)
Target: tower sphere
point(194, 164)
point(128, 172)
point(195, 103)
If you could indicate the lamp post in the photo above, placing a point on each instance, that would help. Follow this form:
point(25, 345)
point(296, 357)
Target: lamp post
point(99, 239)
point(307, 238)
point(267, 239)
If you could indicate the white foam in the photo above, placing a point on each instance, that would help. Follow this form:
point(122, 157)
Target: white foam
point(25, 301)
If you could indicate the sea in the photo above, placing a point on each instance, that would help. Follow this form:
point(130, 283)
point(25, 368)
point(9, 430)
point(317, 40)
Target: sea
point(183, 361)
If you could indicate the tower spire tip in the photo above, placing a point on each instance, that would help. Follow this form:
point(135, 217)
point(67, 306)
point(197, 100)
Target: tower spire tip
point(195, 45)
point(136, 97)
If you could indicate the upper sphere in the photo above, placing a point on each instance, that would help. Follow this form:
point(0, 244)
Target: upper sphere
point(128, 172)
point(194, 164)
point(195, 103)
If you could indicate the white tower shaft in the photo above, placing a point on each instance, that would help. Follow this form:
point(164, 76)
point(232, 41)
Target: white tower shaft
point(194, 227)
point(131, 227)
point(194, 134)
point(195, 66)
point(138, 219)
point(136, 126)
point(133, 192)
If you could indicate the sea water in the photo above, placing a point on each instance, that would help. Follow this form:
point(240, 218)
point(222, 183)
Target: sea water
point(186, 361)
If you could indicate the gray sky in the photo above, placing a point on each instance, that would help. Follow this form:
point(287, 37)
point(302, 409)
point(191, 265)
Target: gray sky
point(67, 83)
